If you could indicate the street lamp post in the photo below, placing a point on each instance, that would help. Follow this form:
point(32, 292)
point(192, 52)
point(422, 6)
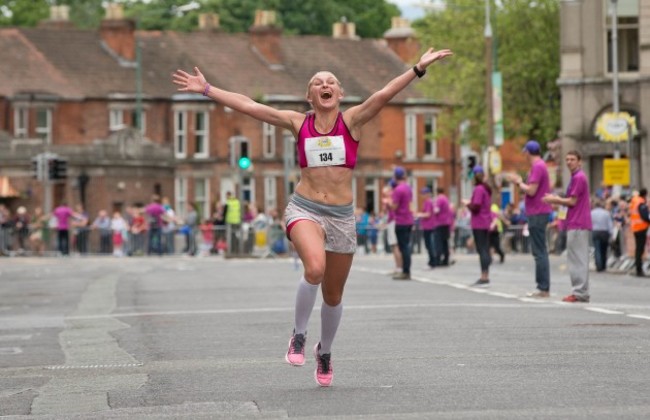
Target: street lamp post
point(488, 75)
point(615, 102)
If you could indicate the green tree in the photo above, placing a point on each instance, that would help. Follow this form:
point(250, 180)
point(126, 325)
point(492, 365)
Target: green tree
point(23, 13)
point(526, 38)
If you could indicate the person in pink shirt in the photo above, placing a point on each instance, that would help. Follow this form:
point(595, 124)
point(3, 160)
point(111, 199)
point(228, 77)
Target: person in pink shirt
point(480, 222)
point(63, 214)
point(444, 219)
point(319, 217)
point(404, 221)
point(428, 224)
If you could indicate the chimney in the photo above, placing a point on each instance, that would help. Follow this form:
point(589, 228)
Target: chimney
point(265, 37)
point(118, 33)
point(344, 29)
point(401, 39)
point(59, 18)
point(208, 21)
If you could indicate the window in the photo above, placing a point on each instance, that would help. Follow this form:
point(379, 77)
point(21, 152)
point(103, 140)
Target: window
point(372, 196)
point(180, 201)
point(180, 134)
point(411, 136)
point(270, 193)
point(627, 13)
point(44, 124)
point(268, 139)
point(247, 188)
point(202, 197)
point(115, 119)
point(430, 143)
point(201, 134)
point(21, 119)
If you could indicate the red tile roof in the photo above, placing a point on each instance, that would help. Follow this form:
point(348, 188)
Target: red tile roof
point(73, 64)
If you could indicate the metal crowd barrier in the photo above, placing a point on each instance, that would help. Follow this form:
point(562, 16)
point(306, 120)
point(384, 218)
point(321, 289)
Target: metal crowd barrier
point(201, 240)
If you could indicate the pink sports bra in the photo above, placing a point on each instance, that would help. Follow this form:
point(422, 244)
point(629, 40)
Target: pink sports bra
point(336, 148)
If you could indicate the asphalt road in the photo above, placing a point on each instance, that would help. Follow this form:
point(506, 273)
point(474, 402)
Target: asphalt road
point(204, 338)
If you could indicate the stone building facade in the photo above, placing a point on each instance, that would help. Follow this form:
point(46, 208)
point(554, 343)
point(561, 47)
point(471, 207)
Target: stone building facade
point(586, 81)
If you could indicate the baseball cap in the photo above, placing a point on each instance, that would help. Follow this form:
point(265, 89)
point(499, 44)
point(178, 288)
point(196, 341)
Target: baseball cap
point(531, 147)
point(478, 169)
point(425, 190)
point(399, 172)
point(392, 183)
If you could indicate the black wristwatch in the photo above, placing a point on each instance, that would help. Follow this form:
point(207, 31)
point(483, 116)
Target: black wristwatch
point(419, 73)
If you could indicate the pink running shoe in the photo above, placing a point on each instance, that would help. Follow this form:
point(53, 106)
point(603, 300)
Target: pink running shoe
point(324, 372)
point(296, 353)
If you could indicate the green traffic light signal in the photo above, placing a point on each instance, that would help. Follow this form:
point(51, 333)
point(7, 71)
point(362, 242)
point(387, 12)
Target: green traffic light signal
point(244, 162)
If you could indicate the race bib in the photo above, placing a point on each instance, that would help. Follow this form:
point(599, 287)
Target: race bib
point(325, 151)
point(561, 212)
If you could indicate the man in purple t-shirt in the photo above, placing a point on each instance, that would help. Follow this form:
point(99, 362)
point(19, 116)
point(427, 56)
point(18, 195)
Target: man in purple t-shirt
point(155, 212)
point(428, 222)
point(537, 211)
point(401, 204)
point(444, 218)
point(62, 214)
point(576, 215)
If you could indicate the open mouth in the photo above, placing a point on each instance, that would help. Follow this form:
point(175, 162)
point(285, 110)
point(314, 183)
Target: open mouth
point(326, 95)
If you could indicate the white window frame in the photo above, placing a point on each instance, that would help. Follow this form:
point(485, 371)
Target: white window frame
point(203, 202)
point(268, 140)
point(201, 135)
point(410, 138)
point(21, 131)
point(430, 137)
point(625, 9)
point(180, 196)
point(270, 193)
point(44, 132)
point(115, 119)
point(180, 134)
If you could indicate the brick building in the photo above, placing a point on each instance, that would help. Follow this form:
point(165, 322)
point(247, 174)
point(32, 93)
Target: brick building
point(78, 93)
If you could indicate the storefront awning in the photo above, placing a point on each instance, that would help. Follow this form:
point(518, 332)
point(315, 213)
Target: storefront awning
point(6, 189)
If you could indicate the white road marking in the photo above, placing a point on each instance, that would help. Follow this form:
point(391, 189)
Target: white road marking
point(511, 296)
point(604, 311)
point(15, 337)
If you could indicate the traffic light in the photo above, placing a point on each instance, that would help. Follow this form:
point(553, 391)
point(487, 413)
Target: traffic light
point(470, 163)
point(57, 169)
point(243, 161)
point(36, 172)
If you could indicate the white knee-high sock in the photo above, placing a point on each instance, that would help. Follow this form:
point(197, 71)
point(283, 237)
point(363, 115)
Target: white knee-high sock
point(305, 300)
point(330, 318)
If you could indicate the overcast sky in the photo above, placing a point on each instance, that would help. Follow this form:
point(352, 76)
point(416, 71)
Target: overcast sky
point(409, 8)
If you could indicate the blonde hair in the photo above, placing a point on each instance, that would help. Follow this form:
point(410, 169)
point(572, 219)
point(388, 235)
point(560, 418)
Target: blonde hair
point(319, 72)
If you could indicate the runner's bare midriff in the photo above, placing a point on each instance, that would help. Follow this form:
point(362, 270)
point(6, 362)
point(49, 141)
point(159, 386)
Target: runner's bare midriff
point(328, 185)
